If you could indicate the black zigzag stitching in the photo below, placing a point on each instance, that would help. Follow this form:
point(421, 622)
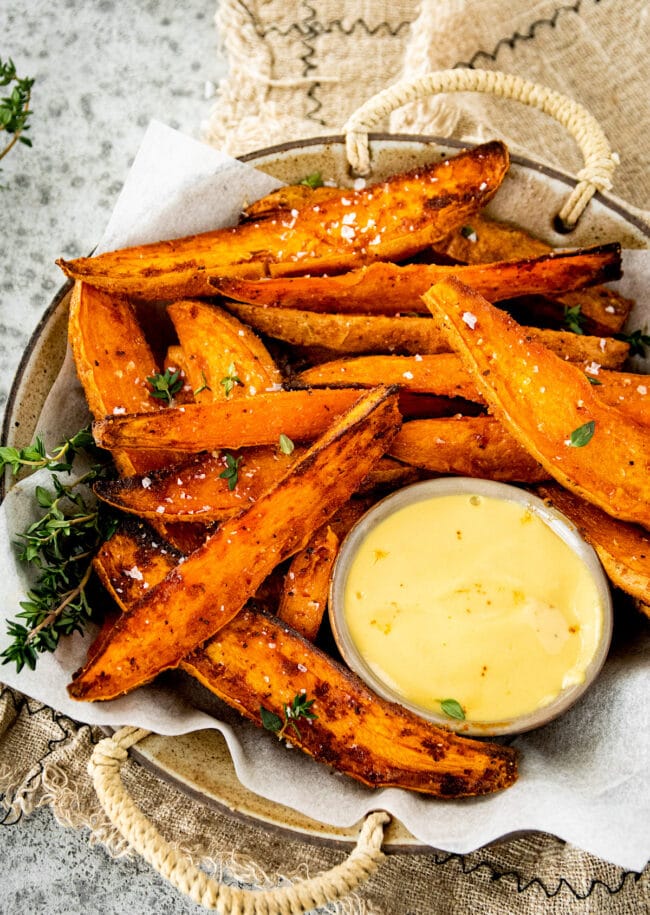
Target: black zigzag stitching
point(300, 28)
point(523, 885)
point(385, 26)
point(517, 37)
point(33, 709)
point(310, 20)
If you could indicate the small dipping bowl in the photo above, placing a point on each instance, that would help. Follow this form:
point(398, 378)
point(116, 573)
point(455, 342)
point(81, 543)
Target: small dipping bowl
point(472, 603)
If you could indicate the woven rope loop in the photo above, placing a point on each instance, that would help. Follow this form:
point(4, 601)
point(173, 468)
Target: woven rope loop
point(104, 767)
point(599, 160)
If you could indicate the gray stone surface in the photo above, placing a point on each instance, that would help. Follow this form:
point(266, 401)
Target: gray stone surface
point(103, 68)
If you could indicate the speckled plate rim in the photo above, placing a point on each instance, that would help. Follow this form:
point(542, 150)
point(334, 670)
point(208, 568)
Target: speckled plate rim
point(249, 807)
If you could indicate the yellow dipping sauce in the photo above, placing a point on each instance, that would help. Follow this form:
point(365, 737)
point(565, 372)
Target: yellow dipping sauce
point(472, 598)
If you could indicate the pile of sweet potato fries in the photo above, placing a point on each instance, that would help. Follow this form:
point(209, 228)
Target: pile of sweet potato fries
point(389, 364)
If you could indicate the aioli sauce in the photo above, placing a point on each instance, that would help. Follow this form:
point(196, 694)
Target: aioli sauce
point(472, 598)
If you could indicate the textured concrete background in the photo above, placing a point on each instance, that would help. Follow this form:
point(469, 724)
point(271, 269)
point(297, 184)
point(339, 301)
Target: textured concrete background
point(103, 69)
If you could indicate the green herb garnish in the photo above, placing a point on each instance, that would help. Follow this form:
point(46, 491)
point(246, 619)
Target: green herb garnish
point(638, 340)
point(60, 544)
point(452, 709)
point(204, 386)
point(285, 444)
point(574, 319)
point(231, 473)
point(313, 180)
point(592, 380)
point(35, 457)
point(582, 435)
point(14, 108)
point(230, 380)
point(300, 707)
point(469, 233)
point(163, 387)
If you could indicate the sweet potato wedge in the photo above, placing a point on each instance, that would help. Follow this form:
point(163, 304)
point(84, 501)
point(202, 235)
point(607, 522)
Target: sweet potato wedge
point(287, 198)
point(223, 358)
point(473, 446)
point(258, 420)
point(391, 289)
point(548, 405)
point(443, 374)
point(605, 311)
point(197, 488)
point(306, 585)
point(398, 748)
point(403, 334)
point(113, 361)
point(200, 596)
point(392, 219)
point(376, 742)
point(623, 549)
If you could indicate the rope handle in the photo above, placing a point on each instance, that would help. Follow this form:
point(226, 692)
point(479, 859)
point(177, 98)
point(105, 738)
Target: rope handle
point(104, 768)
point(599, 160)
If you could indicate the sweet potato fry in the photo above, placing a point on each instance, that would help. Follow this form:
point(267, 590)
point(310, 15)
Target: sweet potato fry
point(623, 549)
point(306, 585)
point(113, 361)
point(199, 488)
point(473, 446)
point(259, 420)
point(548, 405)
point(222, 357)
point(398, 747)
point(392, 219)
point(287, 198)
point(200, 596)
point(605, 311)
point(404, 335)
point(376, 742)
point(444, 375)
point(391, 289)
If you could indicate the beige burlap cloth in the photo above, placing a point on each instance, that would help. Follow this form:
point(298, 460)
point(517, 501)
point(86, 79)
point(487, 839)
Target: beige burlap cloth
point(299, 69)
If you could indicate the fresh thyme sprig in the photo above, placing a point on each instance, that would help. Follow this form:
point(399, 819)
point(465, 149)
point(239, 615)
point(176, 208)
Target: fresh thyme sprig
point(300, 707)
point(574, 319)
point(164, 386)
point(60, 545)
point(14, 108)
point(230, 380)
point(35, 457)
point(231, 473)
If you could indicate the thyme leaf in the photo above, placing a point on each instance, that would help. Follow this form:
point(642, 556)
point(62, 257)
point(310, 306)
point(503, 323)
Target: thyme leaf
point(164, 386)
point(299, 707)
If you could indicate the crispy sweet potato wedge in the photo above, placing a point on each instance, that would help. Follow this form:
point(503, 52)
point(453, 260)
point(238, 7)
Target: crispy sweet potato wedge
point(549, 405)
point(304, 594)
point(287, 198)
point(473, 446)
point(443, 374)
point(197, 488)
point(200, 596)
point(623, 549)
point(392, 219)
point(604, 309)
point(376, 742)
point(113, 361)
point(404, 335)
point(223, 358)
point(259, 420)
point(398, 748)
point(391, 289)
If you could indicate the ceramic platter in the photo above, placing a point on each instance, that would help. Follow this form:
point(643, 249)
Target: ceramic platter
point(531, 196)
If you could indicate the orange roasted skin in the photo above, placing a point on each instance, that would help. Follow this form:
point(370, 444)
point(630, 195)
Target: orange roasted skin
point(379, 743)
point(202, 594)
point(303, 599)
point(391, 289)
point(548, 405)
point(412, 210)
point(404, 334)
point(395, 747)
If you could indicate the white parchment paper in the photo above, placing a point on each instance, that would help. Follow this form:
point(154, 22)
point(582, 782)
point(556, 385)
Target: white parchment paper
point(584, 778)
